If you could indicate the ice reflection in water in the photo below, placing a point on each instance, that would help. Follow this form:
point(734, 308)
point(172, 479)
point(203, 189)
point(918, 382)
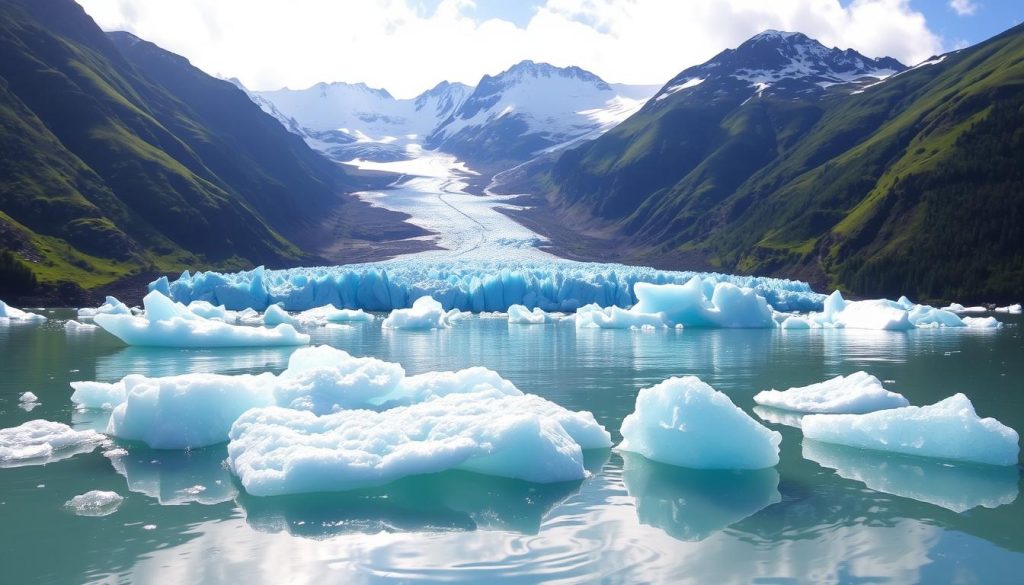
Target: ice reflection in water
point(955, 486)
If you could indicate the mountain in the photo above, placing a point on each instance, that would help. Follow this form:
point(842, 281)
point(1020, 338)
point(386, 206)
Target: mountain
point(784, 157)
point(120, 158)
point(347, 121)
point(531, 108)
point(506, 119)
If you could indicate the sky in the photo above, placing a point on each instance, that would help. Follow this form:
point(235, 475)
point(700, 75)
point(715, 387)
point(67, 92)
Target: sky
point(408, 46)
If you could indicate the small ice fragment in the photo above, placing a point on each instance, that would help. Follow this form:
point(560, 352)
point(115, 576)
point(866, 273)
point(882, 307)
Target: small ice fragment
point(27, 397)
point(857, 393)
point(94, 503)
point(425, 313)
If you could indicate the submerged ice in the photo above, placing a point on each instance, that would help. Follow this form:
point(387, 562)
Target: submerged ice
point(685, 422)
point(949, 429)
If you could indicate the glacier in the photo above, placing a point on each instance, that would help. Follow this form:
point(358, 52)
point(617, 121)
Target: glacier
point(687, 423)
point(170, 324)
point(467, 285)
point(857, 393)
point(949, 429)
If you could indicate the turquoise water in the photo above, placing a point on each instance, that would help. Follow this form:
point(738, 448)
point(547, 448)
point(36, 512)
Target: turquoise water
point(823, 515)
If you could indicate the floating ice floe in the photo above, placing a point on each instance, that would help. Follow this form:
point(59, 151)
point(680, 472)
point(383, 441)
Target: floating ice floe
point(595, 317)
point(520, 315)
point(111, 306)
point(9, 313)
point(955, 486)
point(425, 313)
point(467, 285)
point(857, 393)
point(27, 397)
point(275, 315)
point(685, 422)
point(94, 503)
point(170, 324)
point(1011, 309)
point(958, 308)
point(949, 429)
point(277, 451)
point(196, 410)
point(883, 314)
point(329, 314)
point(73, 326)
point(38, 442)
point(982, 322)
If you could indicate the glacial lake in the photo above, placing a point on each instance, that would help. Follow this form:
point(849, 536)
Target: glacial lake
point(825, 514)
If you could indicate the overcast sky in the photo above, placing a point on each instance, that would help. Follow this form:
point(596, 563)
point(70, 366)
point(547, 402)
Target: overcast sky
point(407, 46)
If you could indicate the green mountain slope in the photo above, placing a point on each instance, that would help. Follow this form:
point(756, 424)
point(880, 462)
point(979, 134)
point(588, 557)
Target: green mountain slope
point(914, 185)
point(117, 157)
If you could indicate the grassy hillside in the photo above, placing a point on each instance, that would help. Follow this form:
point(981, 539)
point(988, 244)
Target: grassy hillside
point(117, 157)
point(912, 186)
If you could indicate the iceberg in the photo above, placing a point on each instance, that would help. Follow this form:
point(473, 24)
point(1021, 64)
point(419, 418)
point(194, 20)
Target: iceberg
point(73, 326)
point(275, 315)
point(982, 322)
point(9, 313)
point(949, 429)
point(111, 306)
point(27, 397)
point(276, 451)
point(38, 442)
point(1011, 309)
point(329, 314)
point(520, 315)
point(94, 503)
point(594, 317)
point(857, 393)
point(425, 313)
point(685, 422)
point(693, 504)
point(170, 324)
point(196, 410)
point(955, 486)
point(467, 285)
point(187, 411)
point(883, 314)
point(689, 305)
point(958, 308)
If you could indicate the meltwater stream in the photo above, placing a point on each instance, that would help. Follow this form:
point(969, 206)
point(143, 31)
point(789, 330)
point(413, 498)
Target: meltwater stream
point(823, 515)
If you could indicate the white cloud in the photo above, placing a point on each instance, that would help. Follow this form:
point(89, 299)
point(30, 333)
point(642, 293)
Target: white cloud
point(963, 7)
point(395, 44)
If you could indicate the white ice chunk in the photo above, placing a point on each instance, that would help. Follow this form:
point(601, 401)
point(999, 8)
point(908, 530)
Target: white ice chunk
point(593, 317)
point(795, 322)
point(520, 315)
point(883, 314)
point(191, 410)
point(958, 308)
point(1011, 309)
point(329, 314)
point(94, 503)
point(98, 394)
point(73, 326)
point(275, 315)
point(11, 314)
point(685, 422)
point(279, 451)
point(111, 306)
point(982, 322)
point(857, 393)
point(949, 429)
point(208, 310)
point(425, 313)
point(27, 397)
point(170, 324)
point(689, 306)
point(40, 441)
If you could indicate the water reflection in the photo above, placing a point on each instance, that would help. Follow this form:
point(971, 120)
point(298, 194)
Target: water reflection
point(174, 478)
point(692, 504)
point(155, 361)
point(443, 502)
point(779, 417)
point(955, 486)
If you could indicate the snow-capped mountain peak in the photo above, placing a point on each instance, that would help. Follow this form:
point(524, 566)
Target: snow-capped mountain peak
point(782, 63)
